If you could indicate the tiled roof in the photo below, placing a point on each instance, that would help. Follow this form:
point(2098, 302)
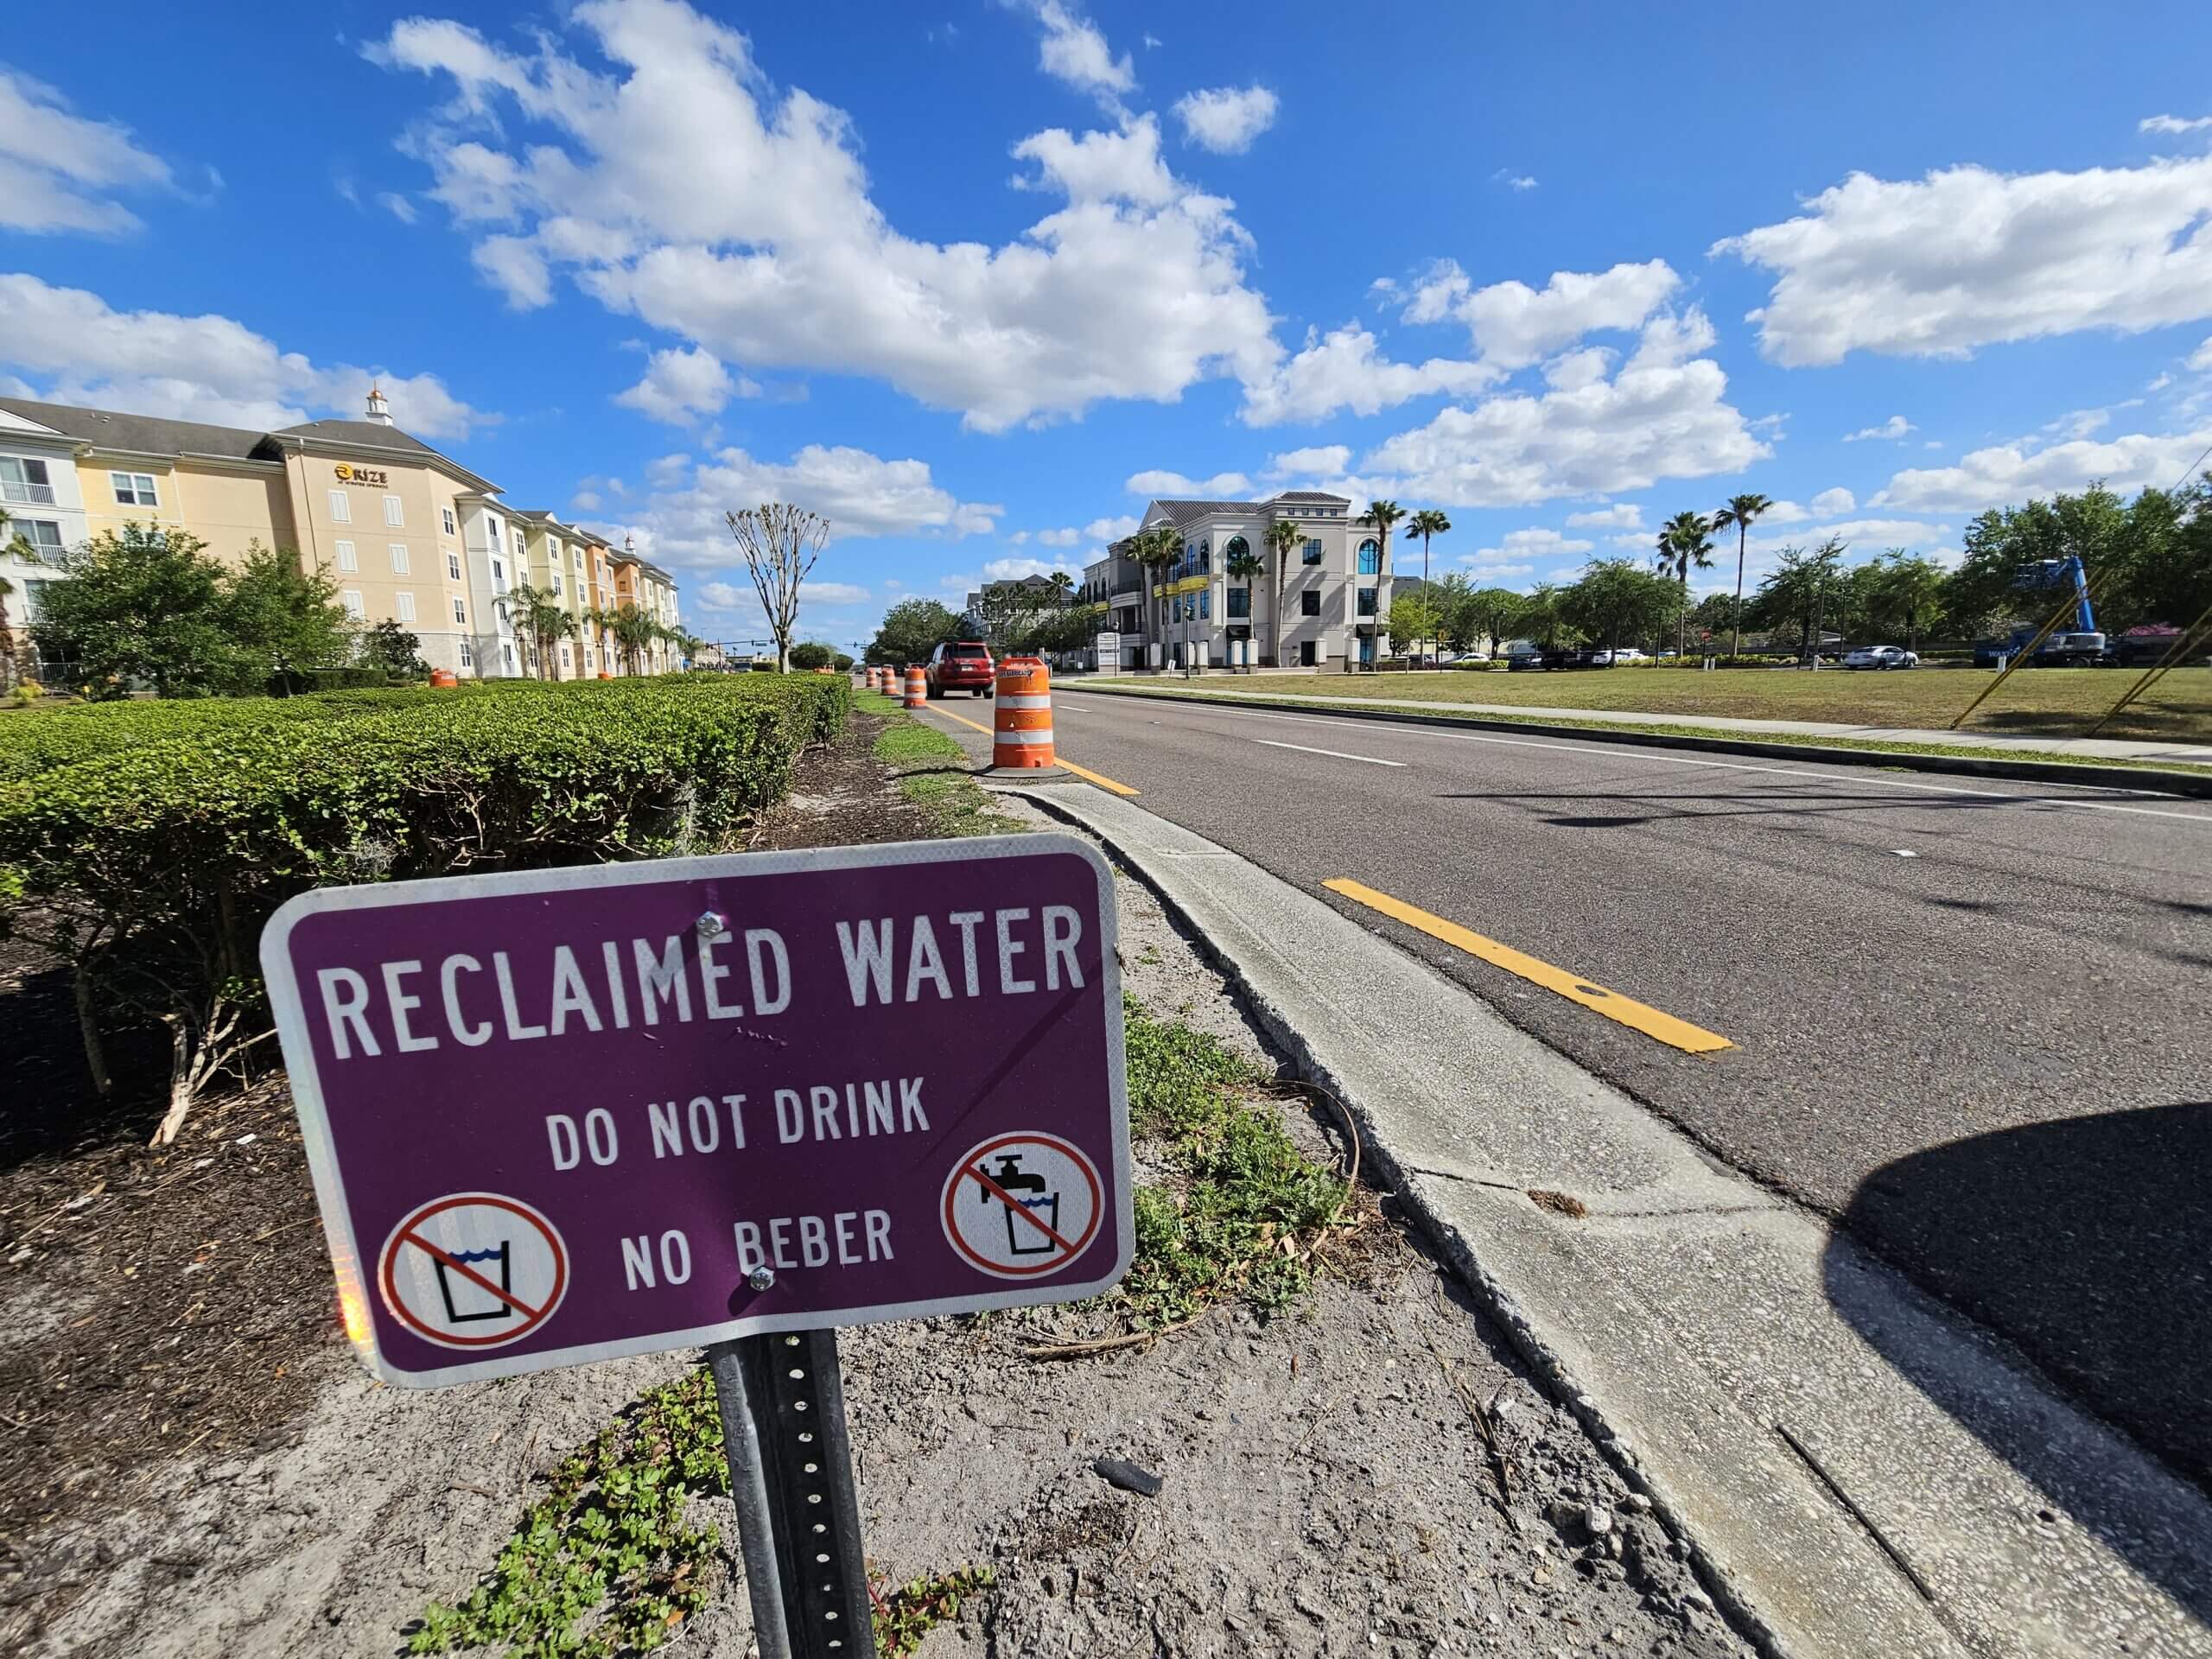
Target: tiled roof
point(1307, 495)
point(372, 435)
point(1181, 514)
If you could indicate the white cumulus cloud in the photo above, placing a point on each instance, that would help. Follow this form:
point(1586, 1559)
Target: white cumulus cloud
point(1828, 503)
point(2007, 474)
point(1226, 119)
point(678, 186)
point(681, 386)
point(58, 169)
point(1514, 325)
point(1967, 257)
point(2173, 124)
point(1074, 50)
point(1167, 485)
point(1013, 570)
point(1893, 429)
point(204, 368)
point(1343, 370)
point(1622, 515)
point(1316, 461)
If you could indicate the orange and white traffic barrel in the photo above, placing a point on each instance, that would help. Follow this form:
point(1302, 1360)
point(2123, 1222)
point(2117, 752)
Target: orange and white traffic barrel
point(918, 689)
point(1021, 738)
point(875, 679)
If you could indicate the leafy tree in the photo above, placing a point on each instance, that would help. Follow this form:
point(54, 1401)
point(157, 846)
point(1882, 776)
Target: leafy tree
point(1617, 598)
point(394, 648)
point(283, 621)
point(843, 664)
point(1543, 616)
point(145, 604)
point(1686, 541)
point(1712, 614)
point(1741, 512)
point(1413, 616)
point(1489, 615)
point(910, 631)
point(541, 622)
point(2149, 560)
point(1797, 593)
point(812, 655)
point(1905, 591)
point(1428, 523)
point(1282, 538)
point(1155, 549)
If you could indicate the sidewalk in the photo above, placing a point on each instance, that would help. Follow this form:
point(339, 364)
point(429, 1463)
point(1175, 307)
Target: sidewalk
point(2099, 748)
point(1861, 1470)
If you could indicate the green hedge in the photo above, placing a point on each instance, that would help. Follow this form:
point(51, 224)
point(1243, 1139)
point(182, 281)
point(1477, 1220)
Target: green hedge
point(153, 867)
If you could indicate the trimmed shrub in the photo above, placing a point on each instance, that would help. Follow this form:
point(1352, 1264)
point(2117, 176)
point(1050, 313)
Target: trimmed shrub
point(151, 867)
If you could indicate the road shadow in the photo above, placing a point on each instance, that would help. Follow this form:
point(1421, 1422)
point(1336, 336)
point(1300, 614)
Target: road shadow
point(2087, 1242)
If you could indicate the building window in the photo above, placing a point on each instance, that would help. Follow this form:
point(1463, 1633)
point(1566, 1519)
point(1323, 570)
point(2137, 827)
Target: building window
point(392, 515)
point(43, 535)
point(1205, 606)
point(445, 518)
point(565, 660)
point(453, 567)
point(1364, 605)
point(519, 544)
point(133, 489)
point(499, 573)
point(406, 606)
point(1240, 604)
point(399, 559)
point(576, 557)
point(496, 532)
point(467, 656)
point(352, 600)
point(341, 508)
point(460, 612)
point(1371, 558)
point(1309, 602)
point(556, 584)
point(25, 482)
point(591, 656)
point(508, 652)
point(347, 558)
point(1312, 555)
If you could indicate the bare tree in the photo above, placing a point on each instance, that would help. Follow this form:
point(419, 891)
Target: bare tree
point(780, 545)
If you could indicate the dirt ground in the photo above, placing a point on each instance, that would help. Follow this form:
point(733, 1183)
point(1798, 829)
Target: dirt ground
point(1326, 1487)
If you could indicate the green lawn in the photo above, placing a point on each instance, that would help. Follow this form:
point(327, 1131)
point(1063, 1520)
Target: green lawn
point(2042, 702)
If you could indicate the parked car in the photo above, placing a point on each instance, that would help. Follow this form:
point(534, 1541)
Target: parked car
point(1601, 658)
point(1519, 656)
point(960, 665)
point(1882, 657)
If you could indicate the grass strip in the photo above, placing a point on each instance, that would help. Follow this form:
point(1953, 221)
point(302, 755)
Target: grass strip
point(604, 1562)
point(1671, 728)
point(932, 772)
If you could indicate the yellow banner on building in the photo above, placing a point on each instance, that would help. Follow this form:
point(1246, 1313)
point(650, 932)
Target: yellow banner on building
point(1188, 585)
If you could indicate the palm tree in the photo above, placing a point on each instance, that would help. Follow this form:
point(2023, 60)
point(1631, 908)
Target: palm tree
point(1739, 513)
point(1281, 537)
point(1242, 565)
point(1685, 541)
point(1382, 515)
point(1155, 549)
point(1429, 521)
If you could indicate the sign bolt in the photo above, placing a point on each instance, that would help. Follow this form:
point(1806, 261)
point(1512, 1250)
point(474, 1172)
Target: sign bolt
point(711, 926)
point(760, 1278)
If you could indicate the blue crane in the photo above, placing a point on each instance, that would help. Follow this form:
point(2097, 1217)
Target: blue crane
point(2079, 647)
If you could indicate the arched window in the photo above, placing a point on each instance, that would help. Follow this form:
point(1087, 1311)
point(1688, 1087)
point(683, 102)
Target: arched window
point(1237, 548)
point(1371, 558)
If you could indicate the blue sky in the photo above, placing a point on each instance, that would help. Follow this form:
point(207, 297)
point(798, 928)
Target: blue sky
point(961, 276)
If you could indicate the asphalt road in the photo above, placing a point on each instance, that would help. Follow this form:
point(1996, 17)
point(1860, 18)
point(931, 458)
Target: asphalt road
point(1969, 1018)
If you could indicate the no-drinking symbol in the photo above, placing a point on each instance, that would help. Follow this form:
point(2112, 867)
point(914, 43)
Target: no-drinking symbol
point(1021, 1206)
point(473, 1270)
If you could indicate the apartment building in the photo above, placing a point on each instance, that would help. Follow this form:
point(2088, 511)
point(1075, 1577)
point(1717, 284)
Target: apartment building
point(1334, 589)
point(406, 533)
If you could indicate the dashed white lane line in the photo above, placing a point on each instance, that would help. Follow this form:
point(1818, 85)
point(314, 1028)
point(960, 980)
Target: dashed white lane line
point(1334, 754)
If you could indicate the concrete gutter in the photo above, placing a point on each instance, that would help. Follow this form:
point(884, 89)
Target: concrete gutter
point(2151, 780)
point(1859, 1471)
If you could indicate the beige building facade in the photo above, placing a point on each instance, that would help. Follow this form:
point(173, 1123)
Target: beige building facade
point(404, 532)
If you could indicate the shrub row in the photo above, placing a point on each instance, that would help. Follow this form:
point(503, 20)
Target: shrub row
point(152, 868)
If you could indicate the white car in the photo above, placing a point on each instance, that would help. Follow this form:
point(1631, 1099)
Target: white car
point(1603, 659)
point(1882, 657)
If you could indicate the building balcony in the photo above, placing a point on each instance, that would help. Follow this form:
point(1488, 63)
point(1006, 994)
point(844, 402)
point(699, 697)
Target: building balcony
point(26, 495)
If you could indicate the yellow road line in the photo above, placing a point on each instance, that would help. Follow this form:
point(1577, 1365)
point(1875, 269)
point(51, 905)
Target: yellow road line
point(1088, 776)
point(1677, 1034)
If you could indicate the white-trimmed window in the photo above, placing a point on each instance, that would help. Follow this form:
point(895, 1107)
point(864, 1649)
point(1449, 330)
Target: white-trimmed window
point(445, 518)
point(460, 612)
point(133, 489)
point(519, 551)
point(508, 652)
point(43, 535)
point(556, 584)
point(566, 662)
point(393, 513)
point(352, 600)
point(576, 557)
point(347, 559)
point(25, 480)
point(342, 507)
point(399, 562)
point(467, 656)
point(406, 605)
point(452, 566)
point(499, 576)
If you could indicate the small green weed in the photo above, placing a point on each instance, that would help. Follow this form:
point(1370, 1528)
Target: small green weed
point(904, 1615)
point(1245, 1209)
point(604, 1562)
point(933, 774)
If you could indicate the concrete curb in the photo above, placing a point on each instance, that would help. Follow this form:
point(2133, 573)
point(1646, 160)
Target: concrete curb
point(2143, 780)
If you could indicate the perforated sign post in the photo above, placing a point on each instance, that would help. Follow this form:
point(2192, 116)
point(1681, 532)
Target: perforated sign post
point(565, 1115)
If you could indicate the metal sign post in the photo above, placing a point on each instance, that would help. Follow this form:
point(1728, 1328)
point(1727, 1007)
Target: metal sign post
point(559, 1116)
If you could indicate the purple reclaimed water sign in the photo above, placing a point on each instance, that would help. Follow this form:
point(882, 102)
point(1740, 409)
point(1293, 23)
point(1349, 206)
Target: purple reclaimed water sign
point(571, 1115)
